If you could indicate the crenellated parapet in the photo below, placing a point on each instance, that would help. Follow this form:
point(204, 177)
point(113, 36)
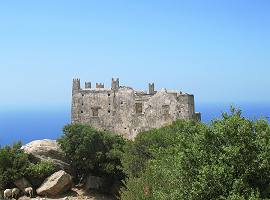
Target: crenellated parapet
point(87, 85)
point(99, 85)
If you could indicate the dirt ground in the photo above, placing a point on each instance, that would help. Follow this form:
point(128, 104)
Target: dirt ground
point(75, 194)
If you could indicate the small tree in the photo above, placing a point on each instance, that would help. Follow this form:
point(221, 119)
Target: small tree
point(13, 164)
point(92, 151)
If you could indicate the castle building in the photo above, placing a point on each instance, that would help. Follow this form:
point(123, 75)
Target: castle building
point(126, 111)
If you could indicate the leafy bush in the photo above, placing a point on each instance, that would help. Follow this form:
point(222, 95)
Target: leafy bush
point(15, 164)
point(145, 146)
point(39, 171)
point(92, 151)
point(227, 159)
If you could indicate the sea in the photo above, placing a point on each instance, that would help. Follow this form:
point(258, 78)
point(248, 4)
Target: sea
point(27, 125)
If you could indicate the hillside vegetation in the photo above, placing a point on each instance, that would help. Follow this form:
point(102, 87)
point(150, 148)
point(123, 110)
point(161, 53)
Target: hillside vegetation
point(227, 159)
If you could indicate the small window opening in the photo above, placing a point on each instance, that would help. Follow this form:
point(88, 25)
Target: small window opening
point(109, 111)
point(166, 111)
point(95, 111)
point(109, 94)
point(81, 111)
point(121, 102)
point(138, 108)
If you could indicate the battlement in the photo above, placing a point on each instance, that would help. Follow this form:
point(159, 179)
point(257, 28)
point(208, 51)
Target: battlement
point(87, 85)
point(99, 85)
point(76, 86)
point(151, 88)
point(126, 111)
point(115, 84)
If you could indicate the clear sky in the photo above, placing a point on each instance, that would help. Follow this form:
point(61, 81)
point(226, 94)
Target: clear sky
point(217, 50)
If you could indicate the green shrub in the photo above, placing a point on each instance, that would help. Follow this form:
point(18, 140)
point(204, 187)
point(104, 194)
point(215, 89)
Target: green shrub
point(147, 144)
point(39, 171)
point(13, 164)
point(92, 151)
point(227, 159)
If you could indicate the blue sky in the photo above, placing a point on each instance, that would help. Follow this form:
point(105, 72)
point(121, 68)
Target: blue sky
point(217, 50)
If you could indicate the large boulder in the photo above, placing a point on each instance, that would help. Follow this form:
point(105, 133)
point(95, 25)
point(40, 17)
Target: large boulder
point(48, 150)
point(56, 184)
point(22, 183)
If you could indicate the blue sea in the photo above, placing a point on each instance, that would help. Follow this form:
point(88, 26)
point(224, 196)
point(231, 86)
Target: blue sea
point(27, 125)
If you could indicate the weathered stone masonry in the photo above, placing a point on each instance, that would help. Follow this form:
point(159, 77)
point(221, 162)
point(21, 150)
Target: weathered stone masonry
point(122, 110)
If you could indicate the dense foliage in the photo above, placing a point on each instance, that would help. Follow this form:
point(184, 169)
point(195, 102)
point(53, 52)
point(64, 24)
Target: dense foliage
point(92, 151)
point(227, 159)
point(39, 171)
point(15, 164)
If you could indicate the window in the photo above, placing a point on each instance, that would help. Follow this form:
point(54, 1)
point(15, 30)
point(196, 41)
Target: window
point(95, 111)
point(138, 108)
point(166, 111)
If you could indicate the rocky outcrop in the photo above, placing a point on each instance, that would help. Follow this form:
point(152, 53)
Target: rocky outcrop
point(56, 184)
point(48, 150)
point(22, 183)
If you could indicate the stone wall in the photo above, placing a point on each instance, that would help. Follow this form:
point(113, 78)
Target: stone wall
point(125, 111)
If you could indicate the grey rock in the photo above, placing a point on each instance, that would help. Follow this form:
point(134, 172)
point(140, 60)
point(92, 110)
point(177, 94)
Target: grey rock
point(48, 150)
point(56, 184)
